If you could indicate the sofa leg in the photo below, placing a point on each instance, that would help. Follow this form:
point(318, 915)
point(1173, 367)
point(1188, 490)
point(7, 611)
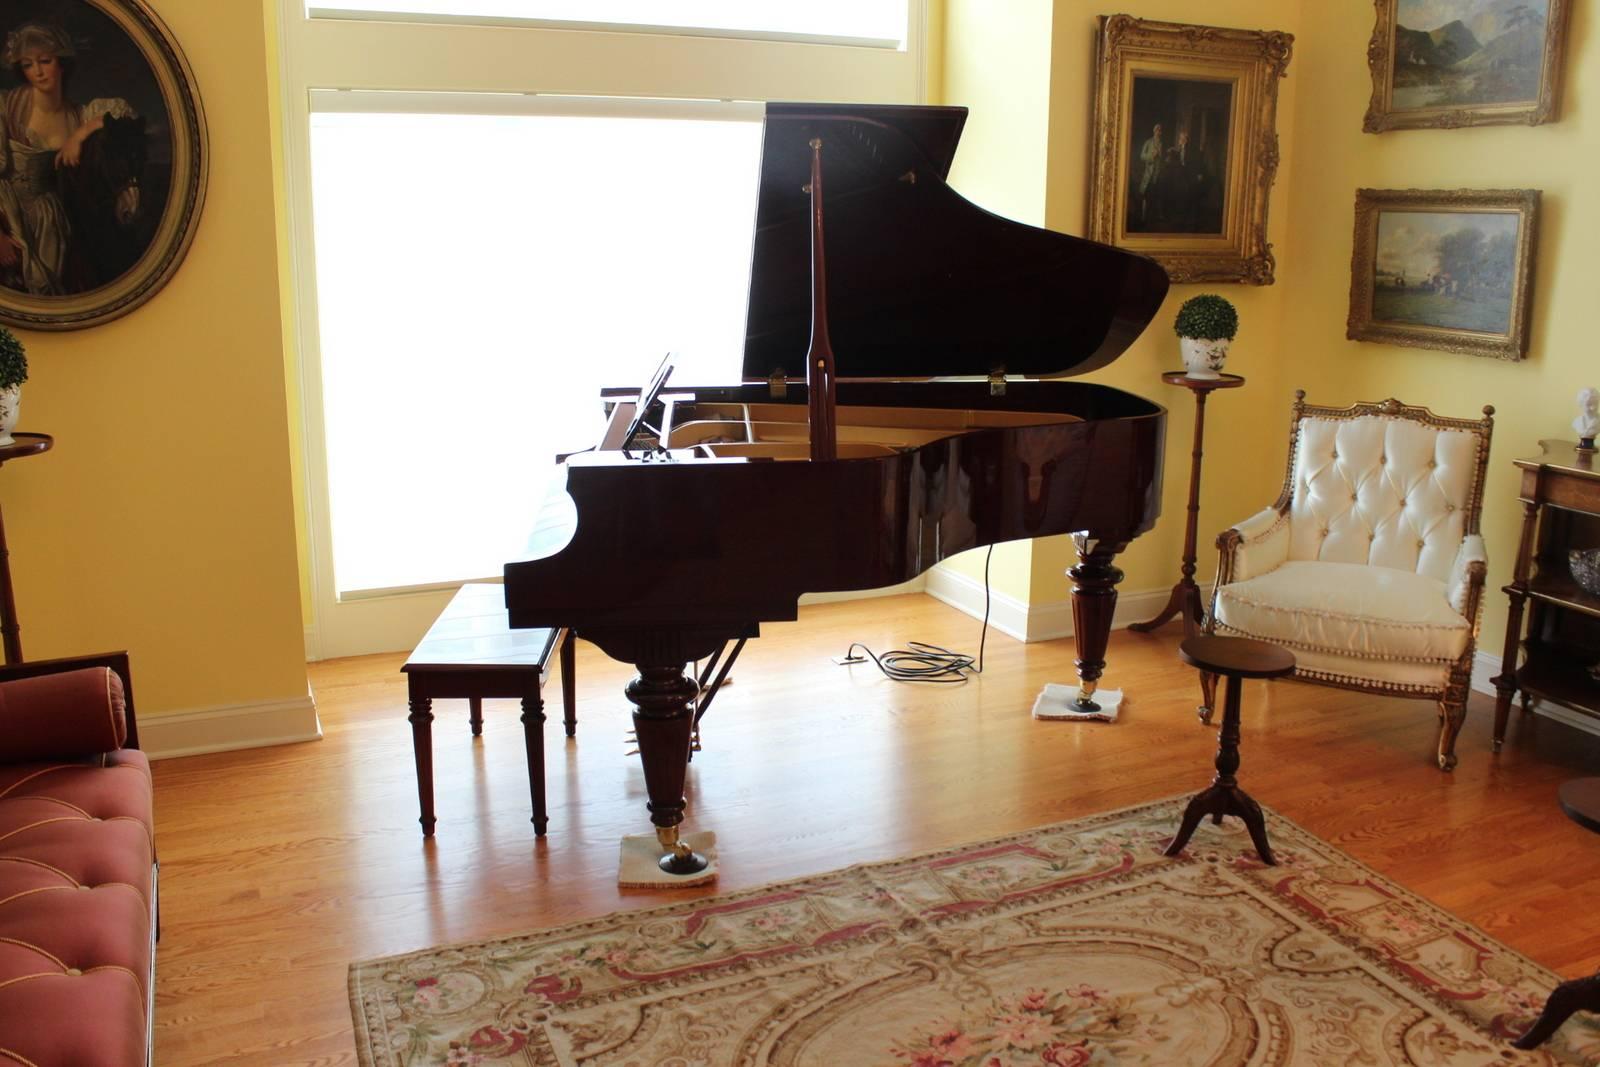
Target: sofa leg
point(1208, 696)
point(1452, 713)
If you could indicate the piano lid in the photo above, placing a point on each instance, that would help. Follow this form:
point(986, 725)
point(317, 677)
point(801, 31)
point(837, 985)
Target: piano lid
point(921, 282)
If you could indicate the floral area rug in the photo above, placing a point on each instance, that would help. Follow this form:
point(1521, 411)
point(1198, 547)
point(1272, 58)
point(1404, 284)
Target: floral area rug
point(1070, 945)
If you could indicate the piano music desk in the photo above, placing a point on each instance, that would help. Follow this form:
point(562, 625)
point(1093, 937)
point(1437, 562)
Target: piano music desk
point(471, 653)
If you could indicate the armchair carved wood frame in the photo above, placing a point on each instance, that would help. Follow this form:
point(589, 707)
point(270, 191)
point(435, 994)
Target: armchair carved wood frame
point(1369, 565)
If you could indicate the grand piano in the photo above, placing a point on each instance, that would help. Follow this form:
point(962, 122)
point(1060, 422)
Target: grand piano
point(942, 424)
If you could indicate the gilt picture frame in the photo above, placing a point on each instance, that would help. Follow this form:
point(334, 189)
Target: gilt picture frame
point(1184, 145)
point(1444, 269)
point(103, 160)
point(1443, 64)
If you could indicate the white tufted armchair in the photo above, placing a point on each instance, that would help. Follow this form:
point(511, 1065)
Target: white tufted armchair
point(1369, 567)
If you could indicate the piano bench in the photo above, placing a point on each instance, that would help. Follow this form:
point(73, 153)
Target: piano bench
point(471, 653)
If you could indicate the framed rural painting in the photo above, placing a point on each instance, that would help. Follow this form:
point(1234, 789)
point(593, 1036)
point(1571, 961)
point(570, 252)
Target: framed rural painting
point(103, 164)
point(1449, 269)
point(1449, 63)
point(1185, 145)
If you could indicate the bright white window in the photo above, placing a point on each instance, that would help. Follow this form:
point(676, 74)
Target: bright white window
point(480, 277)
point(466, 179)
point(867, 22)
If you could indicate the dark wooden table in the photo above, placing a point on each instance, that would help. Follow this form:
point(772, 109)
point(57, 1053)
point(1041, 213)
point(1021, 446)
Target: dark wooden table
point(24, 444)
point(1234, 658)
point(1560, 494)
point(471, 653)
point(1185, 599)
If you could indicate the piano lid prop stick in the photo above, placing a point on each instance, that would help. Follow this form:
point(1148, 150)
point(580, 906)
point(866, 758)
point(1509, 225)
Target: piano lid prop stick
point(819, 360)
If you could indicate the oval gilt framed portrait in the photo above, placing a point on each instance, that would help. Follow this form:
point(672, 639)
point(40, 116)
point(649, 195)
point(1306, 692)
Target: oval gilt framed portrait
point(103, 163)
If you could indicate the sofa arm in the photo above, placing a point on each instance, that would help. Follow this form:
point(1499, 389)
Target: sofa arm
point(1254, 547)
point(61, 716)
point(1466, 576)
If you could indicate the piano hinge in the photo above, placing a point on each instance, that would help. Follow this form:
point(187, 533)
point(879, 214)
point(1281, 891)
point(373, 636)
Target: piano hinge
point(777, 384)
point(997, 381)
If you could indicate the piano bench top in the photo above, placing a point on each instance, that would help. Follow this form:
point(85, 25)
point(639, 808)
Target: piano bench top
point(474, 635)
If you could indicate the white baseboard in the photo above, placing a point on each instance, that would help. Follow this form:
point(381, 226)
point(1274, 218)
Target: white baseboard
point(1486, 666)
point(1006, 613)
point(1032, 622)
point(915, 585)
point(223, 729)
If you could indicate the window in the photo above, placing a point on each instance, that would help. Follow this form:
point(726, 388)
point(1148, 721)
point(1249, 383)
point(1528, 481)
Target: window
point(880, 23)
point(490, 217)
point(480, 278)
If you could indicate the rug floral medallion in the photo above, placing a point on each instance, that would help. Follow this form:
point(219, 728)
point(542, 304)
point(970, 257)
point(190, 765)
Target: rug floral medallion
point(1076, 945)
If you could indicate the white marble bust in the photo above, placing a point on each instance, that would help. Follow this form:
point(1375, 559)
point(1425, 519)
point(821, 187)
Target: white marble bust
point(1587, 424)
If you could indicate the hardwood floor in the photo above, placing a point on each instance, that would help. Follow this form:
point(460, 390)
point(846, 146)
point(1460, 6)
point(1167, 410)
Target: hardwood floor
point(281, 866)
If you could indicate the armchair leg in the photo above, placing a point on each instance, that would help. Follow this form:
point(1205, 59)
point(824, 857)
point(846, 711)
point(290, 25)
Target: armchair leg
point(1452, 713)
point(1208, 696)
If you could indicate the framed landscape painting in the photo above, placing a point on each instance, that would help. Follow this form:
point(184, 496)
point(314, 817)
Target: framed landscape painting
point(1447, 269)
point(1185, 145)
point(1449, 63)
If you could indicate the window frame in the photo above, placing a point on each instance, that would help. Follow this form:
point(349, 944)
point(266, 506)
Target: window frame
point(319, 54)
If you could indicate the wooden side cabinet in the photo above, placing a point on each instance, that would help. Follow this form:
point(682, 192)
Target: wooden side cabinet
point(1561, 649)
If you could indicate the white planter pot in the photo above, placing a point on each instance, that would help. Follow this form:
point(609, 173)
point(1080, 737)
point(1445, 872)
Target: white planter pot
point(1203, 359)
point(10, 404)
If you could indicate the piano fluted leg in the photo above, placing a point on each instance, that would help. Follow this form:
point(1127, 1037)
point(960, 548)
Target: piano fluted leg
point(1094, 601)
point(663, 699)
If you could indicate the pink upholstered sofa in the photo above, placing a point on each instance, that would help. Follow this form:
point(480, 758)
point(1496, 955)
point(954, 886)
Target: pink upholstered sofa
point(77, 869)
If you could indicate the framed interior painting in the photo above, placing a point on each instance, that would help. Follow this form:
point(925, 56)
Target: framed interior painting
point(1449, 63)
point(1448, 269)
point(103, 163)
point(1185, 145)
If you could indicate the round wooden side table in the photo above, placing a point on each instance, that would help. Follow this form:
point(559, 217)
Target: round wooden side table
point(1580, 799)
point(23, 445)
point(1185, 599)
point(1235, 658)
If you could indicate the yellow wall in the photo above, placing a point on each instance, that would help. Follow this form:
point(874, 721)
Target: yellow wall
point(1292, 333)
point(996, 62)
point(1026, 67)
point(1534, 398)
point(291, 355)
point(162, 521)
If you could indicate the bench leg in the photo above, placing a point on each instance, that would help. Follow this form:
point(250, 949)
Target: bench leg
point(476, 703)
point(533, 735)
point(569, 682)
point(421, 718)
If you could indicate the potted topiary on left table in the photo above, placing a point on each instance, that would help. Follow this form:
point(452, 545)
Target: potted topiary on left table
point(13, 372)
point(1205, 327)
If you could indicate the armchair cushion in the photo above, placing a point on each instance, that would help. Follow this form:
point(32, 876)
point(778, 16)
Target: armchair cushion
point(1348, 609)
point(65, 716)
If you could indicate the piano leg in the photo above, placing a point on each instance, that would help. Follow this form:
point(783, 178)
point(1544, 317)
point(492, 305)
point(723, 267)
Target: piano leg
point(1094, 601)
point(663, 699)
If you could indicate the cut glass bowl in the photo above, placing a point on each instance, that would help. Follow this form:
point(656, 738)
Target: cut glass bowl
point(1585, 566)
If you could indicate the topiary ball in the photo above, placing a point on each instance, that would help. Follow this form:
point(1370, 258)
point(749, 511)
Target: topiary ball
point(1207, 317)
point(13, 360)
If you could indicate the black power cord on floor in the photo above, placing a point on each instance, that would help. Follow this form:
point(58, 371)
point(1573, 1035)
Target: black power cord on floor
point(922, 662)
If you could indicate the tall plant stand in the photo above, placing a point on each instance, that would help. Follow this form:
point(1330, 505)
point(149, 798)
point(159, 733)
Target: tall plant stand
point(1185, 599)
point(24, 444)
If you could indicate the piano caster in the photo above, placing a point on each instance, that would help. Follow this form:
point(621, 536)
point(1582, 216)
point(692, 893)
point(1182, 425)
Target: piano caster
point(679, 859)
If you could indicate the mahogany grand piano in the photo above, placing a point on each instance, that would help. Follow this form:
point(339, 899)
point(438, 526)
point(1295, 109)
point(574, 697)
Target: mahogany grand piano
point(940, 426)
